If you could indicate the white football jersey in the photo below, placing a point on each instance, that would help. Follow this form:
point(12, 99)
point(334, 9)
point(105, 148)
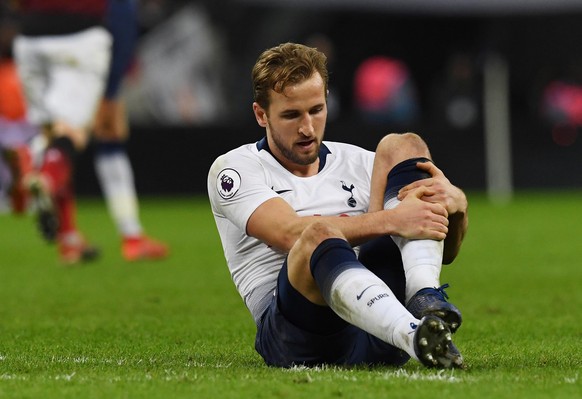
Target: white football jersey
point(242, 179)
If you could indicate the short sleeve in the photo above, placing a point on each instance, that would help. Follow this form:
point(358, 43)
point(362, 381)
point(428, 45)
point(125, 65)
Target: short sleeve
point(237, 185)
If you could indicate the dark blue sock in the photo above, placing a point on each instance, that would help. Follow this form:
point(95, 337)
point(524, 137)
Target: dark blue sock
point(404, 173)
point(108, 147)
point(329, 259)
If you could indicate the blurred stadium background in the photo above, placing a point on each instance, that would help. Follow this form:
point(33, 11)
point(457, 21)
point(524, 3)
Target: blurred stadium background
point(495, 87)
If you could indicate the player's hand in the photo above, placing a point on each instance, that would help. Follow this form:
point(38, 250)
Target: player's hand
point(441, 190)
point(417, 218)
point(111, 121)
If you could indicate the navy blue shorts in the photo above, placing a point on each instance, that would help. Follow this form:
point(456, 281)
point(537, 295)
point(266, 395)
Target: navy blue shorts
point(294, 331)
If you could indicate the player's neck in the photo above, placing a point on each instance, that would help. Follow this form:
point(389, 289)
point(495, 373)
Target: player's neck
point(303, 170)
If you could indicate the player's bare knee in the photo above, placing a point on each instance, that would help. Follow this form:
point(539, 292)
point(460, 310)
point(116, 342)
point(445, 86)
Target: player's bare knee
point(318, 232)
point(300, 255)
point(313, 235)
point(397, 147)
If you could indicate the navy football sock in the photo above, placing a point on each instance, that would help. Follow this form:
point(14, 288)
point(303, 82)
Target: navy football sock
point(329, 259)
point(404, 173)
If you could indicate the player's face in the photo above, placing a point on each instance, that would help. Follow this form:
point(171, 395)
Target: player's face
point(295, 124)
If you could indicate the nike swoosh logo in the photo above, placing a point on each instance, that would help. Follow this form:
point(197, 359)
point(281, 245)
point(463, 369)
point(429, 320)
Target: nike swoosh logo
point(358, 297)
point(414, 327)
point(282, 191)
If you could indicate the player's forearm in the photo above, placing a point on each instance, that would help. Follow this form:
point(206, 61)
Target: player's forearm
point(355, 229)
point(278, 225)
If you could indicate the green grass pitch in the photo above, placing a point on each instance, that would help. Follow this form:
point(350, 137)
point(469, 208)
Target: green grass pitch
point(178, 329)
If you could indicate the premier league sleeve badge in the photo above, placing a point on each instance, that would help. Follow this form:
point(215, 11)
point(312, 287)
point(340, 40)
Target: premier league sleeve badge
point(228, 183)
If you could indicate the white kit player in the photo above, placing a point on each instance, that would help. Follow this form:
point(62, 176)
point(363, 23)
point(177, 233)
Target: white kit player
point(254, 176)
point(71, 59)
point(335, 250)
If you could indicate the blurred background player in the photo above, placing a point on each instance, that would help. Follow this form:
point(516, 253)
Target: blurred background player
point(63, 56)
point(111, 131)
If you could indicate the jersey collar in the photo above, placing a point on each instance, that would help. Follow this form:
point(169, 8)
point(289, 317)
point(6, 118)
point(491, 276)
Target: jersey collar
point(262, 144)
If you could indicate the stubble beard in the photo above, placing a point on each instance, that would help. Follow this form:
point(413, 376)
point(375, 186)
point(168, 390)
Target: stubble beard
point(290, 155)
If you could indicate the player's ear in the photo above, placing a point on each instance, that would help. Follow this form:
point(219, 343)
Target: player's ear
point(260, 115)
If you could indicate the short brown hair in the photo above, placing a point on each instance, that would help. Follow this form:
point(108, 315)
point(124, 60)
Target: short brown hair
point(285, 64)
